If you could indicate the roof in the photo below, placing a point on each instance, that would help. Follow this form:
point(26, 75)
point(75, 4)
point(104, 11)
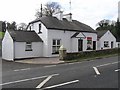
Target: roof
point(53, 23)
point(76, 35)
point(100, 33)
point(117, 39)
point(25, 36)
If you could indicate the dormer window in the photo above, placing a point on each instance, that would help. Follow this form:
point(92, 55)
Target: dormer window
point(39, 29)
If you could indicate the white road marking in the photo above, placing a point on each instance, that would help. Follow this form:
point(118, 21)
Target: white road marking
point(50, 66)
point(117, 70)
point(71, 63)
point(96, 71)
point(46, 80)
point(107, 64)
point(115, 62)
point(18, 81)
point(62, 84)
point(21, 69)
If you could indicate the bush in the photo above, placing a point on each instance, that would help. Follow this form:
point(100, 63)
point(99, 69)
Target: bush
point(90, 54)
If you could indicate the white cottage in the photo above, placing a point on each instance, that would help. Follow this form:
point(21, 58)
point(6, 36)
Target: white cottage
point(62, 30)
point(21, 44)
point(106, 40)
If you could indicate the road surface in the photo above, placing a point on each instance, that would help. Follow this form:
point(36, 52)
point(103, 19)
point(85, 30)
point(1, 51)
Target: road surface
point(100, 73)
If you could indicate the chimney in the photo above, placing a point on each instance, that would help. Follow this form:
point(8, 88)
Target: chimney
point(58, 15)
point(68, 17)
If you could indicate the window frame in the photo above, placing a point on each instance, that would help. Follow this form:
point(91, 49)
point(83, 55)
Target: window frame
point(39, 28)
point(56, 46)
point(28, 46)
point(106, 44)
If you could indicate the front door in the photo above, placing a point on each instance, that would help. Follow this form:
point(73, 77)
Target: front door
point(80, 45)
point(111, 44)
point(94, 45)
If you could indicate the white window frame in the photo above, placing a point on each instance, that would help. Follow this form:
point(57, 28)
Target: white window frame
point(56, 46)
point(28, 46)
point(106, 44)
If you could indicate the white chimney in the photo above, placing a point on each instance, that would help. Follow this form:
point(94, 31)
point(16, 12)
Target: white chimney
point(58, 15)
point(68, 17)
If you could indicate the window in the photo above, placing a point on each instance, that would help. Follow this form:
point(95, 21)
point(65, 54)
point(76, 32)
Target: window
point(106, 44)
point(39, 28)
point(28, 46)
point(55, 46)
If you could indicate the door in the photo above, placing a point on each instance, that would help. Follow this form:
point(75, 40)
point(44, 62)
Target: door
point(111, 44)
point(80, 45)
point(94, 45)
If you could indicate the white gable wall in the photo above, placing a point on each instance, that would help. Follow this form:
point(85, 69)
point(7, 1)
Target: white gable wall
point(108, 36)
point(20, 47)
point(43, 35)
point(7, 47)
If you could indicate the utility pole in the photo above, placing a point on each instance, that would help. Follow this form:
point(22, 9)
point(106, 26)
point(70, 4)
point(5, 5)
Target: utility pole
point(70, 6)
point(41, 10)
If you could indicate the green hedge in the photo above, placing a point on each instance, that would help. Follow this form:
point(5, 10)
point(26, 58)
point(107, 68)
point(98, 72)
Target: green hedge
point(90, 54)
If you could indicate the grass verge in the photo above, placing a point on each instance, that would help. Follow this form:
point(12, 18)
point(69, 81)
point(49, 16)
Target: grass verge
point(1, 35)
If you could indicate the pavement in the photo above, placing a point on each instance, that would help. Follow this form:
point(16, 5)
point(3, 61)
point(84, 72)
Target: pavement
point(50, 60)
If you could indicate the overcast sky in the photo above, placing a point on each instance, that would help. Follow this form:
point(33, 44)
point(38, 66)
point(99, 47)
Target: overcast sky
point(87, 11)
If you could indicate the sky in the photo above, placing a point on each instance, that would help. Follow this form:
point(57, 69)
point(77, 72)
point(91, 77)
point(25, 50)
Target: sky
point(89, 12)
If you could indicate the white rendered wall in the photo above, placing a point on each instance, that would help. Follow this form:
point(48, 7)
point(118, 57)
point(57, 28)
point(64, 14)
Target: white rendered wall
point(117, 44)
point(108, 36)
point(94, 38)
point(20, 47)
point(7, 47)
point(71, 44)
point(43, 35)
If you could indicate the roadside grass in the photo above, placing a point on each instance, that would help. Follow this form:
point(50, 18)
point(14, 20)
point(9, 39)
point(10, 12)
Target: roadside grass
point(1, 35)
point(90, 58)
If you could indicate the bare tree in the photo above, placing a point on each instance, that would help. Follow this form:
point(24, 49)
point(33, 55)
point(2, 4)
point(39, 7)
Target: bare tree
point(48, 9)
point(11, 26)
point(103, 23)
point(22, 26)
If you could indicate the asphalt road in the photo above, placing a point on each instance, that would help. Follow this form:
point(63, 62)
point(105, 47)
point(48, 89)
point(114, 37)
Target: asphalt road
point(100, 73)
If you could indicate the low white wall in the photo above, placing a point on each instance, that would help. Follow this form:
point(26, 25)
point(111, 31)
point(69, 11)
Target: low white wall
point(20, 47)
